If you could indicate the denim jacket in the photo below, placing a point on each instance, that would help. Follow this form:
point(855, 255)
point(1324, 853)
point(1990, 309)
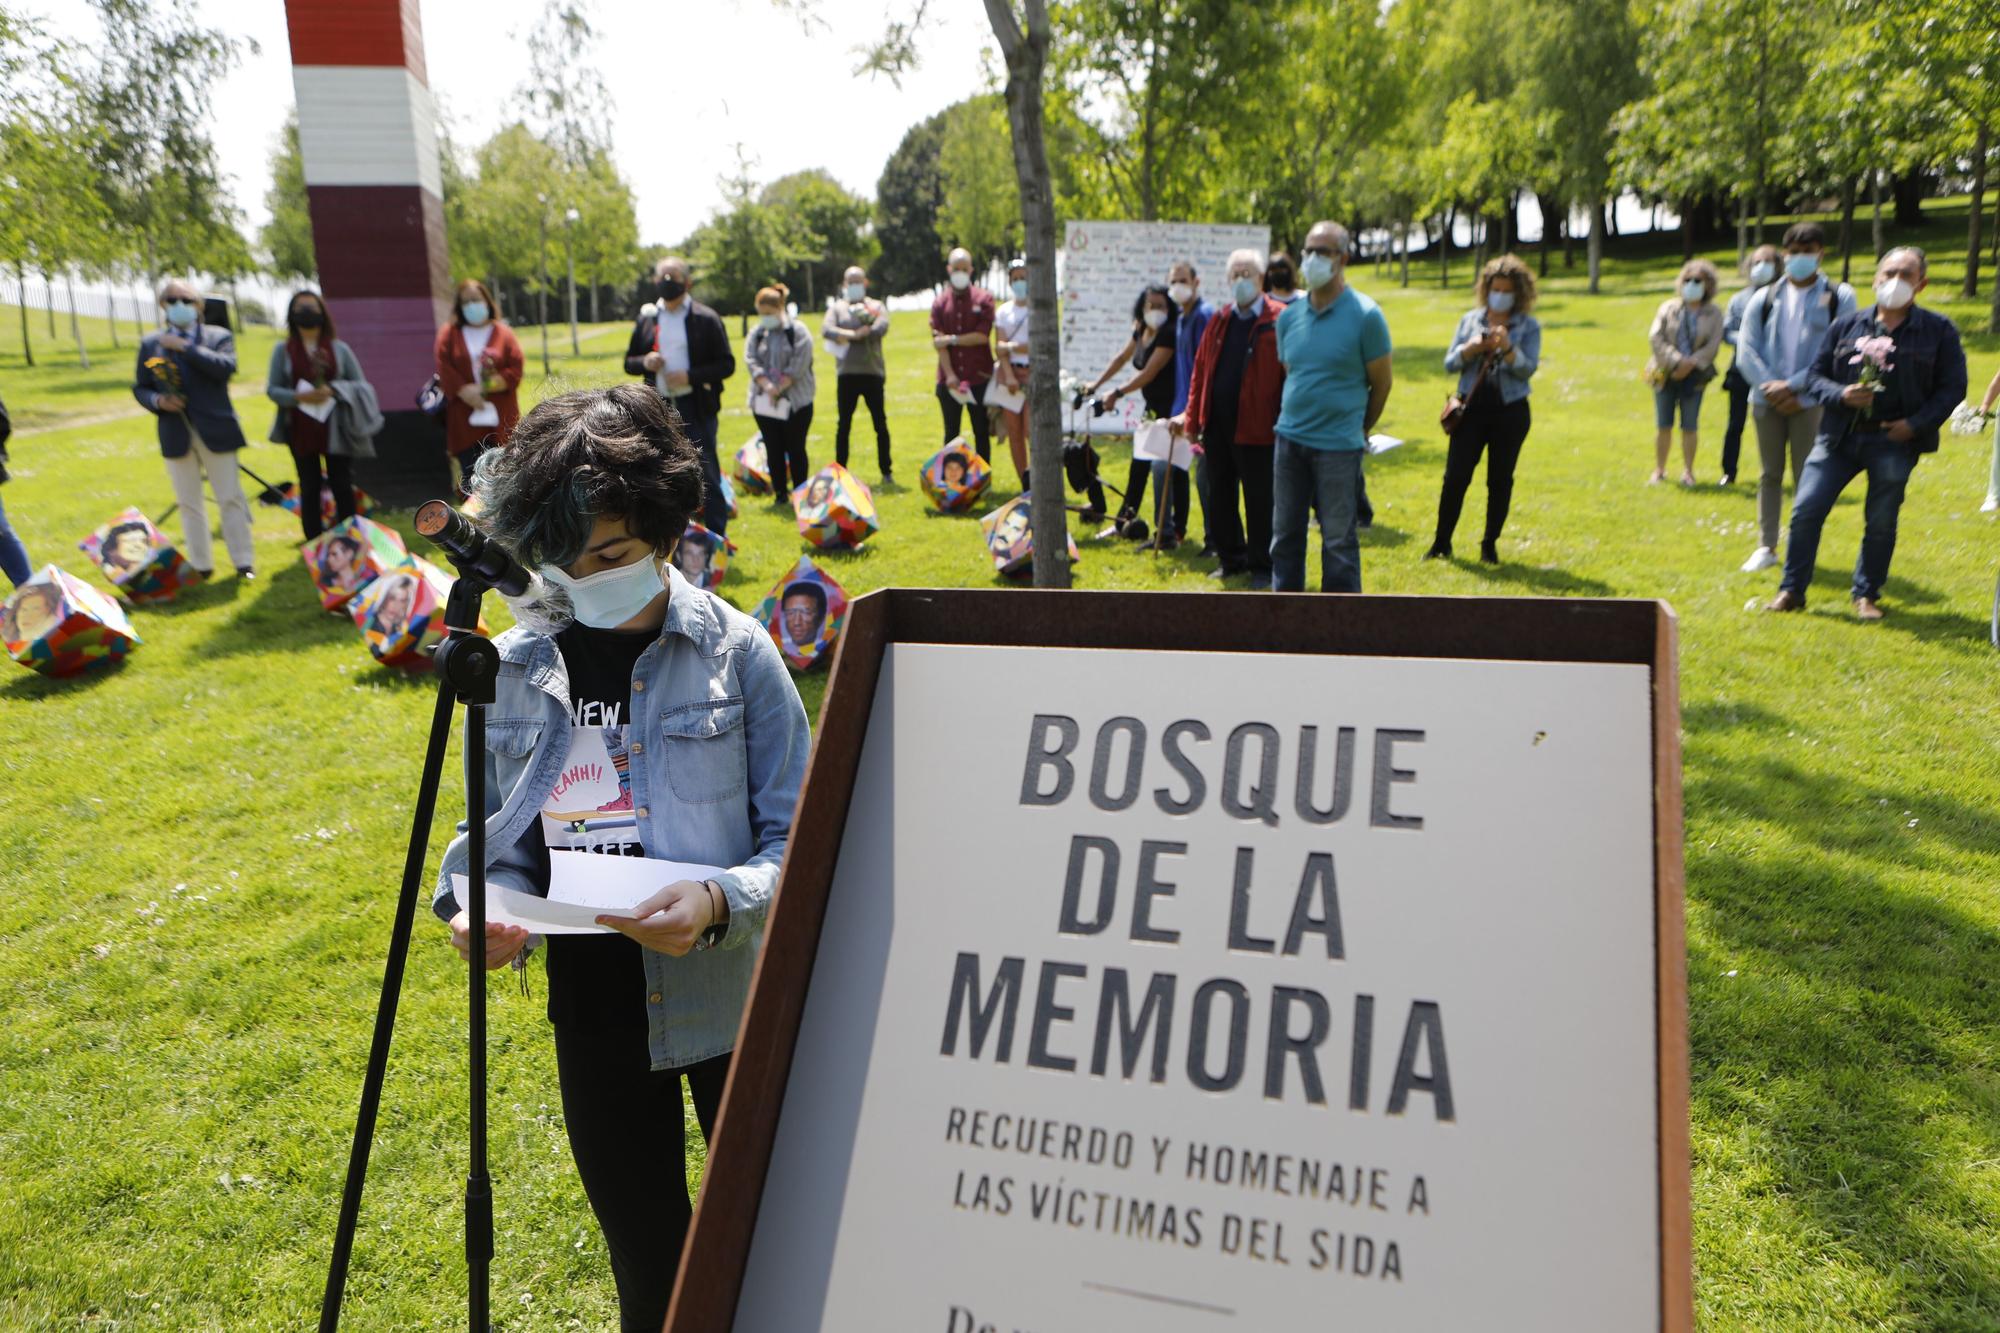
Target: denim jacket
point(1512, 375)
point(719, 748)
point(1757, 350)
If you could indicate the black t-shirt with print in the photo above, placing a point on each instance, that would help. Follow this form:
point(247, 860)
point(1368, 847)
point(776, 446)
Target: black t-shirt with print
point(599, 980)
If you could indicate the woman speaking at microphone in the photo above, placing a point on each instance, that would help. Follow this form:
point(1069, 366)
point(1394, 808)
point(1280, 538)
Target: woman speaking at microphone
point(637, 715)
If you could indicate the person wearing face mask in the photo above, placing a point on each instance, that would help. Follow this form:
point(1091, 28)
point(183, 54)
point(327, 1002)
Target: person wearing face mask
point(682, 347)
point(311, 354)
point(688, 714)
point(1495, 353)
point(1232, 409)
point(183, 376)
point(779, 356)
point(1281, 281)
point(1762, 270)
point(855, 325)
point(479, 367)
point(1010, 362)
point(1783, 327)
point(1151, 354)
point(1193, 312)
point(1686, 335)
point(1335, 348)
point(962, 333)
point(1890, 377)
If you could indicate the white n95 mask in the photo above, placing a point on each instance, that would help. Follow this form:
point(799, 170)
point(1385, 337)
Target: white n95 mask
point(610, 597)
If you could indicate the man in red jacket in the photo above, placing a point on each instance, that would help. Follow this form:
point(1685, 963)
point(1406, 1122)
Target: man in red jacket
point(1232, 415)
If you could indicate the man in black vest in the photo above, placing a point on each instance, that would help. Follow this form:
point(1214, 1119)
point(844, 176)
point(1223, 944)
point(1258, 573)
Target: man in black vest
point(683, 349)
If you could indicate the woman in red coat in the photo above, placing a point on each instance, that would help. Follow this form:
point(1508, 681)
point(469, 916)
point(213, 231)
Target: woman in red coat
point(479, 367)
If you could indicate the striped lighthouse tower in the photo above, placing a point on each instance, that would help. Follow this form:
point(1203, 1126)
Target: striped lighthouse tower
point(368, 139)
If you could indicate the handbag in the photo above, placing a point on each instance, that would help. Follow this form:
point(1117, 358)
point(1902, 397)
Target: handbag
point(1453, 415)
point(430, 398)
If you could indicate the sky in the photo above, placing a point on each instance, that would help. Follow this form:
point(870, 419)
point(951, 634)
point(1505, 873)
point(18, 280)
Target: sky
point(686, 92)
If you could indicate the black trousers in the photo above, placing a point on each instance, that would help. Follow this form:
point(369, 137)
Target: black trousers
point(848, 391)
point(1739, 412)
point(785, 448)
point(339, 478)
point(954, 415)
point(1135, 489)
point(701, 428)
point(1498, 430)
point(626, 1130)
point(1241, 541)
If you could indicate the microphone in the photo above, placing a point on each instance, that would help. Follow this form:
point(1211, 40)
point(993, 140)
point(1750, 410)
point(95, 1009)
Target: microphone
point(471, 551)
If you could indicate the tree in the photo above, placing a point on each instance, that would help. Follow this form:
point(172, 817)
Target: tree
point(908, 198)
point(1579, 114)
point(981, 208)
point(828, 219)
point(496, 220)
point(287, 239)
point(569, 105)
point(1950, 46)
point(744, 246)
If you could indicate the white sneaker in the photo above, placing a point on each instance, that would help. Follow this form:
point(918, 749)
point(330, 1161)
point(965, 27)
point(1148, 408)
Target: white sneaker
point(1992, 503)
point(1761, 558)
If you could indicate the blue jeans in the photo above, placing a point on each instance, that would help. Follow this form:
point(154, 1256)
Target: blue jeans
point(1828, 470)
point(13, 556)
point(1303, 479)
point(1684, 394)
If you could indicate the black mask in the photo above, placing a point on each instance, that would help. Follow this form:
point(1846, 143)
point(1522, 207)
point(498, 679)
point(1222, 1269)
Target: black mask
point(308, 318)
point(671, 290)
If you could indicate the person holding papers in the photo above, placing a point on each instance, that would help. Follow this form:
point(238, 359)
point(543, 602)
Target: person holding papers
point(479, 367)
point(682, 349)
point(637, 716)
point(1010, 367)
point(854, 327)
point(779, 356)
point(305, 368)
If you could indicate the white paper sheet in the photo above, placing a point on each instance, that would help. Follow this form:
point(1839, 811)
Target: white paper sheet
point(488, 415)
point(1155, 440)
point(1000, 396)
point(964, 396)
point(583, 885)
point(317, 411)
point(764, 405)
point(1379, 443)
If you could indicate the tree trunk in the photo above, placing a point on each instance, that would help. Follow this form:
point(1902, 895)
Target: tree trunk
point(75, 328)
point(27, 343)
point(111, 308)
point(1569, 235)
point(1875, 201)
point(596, 290)
point(1026, 52)
point(1596, 245)
point(1549, 221)
point(1610, 213)
point(1847, 190)
point(49, 302)
point(1403, 228)
point(1909, 194)
point(1972, 225)
point(1444, 252)
point(1687, 228)
point(1742, 230)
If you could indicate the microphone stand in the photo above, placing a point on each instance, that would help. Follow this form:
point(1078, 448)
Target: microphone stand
point(468, 667)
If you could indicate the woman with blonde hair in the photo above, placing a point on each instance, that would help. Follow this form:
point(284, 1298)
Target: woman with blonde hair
point(1495, 352)
point(779, 355)
point(1686, 335)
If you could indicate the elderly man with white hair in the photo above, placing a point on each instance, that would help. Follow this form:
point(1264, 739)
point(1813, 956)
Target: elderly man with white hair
point(183, 379)
point(1234, 395)
point(682, 348)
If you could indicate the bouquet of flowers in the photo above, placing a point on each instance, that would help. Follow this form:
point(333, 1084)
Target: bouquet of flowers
point(490, 381)
point(1872, 355)
point(1969, 420)
point(168, 372)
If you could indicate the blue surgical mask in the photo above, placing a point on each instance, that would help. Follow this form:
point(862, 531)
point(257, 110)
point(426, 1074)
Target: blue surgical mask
point(1693, 290)
point(1801, 267)
point(1316, 271)
point(1245, 290)
point(1500, 302)
point(768, 321)
point(181, 314)
point(610, 597)
point(475, 312)
point(1020, 288)
point(857, 291)
point(1763, 272)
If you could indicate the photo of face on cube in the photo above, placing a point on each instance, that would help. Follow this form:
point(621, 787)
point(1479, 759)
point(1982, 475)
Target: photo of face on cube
point(401, 614)
point(57, 624)
point(955, 477)
point(348, 557)
point(753, 468)
point(835, 509)
point(1010, 538)
point(138, 559)
point(804, 613)
point(702, 557)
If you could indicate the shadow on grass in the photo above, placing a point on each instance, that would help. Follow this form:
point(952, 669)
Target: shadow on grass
point(283, 615)
point(29, 686)
point(1548, 581)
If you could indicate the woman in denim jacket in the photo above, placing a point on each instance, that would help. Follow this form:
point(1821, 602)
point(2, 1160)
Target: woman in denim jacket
point(636, 715)
point(1494, 353)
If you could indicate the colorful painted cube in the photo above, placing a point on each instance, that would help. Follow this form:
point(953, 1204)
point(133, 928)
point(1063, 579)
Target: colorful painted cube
point(703, 557)
point(364, 503)
point(57, 624)
point(140, 562)
point(401, 614)
point(349, 556)
point(1010, 539)
point(729, 498)
point(805, 611)
point(835, 508)
point(955, 477)
point(753, 468)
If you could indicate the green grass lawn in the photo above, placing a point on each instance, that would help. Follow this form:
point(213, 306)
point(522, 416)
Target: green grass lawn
point(199, 851)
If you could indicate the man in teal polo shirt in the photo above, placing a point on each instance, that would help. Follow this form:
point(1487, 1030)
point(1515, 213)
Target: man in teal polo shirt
point(1335, 348)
